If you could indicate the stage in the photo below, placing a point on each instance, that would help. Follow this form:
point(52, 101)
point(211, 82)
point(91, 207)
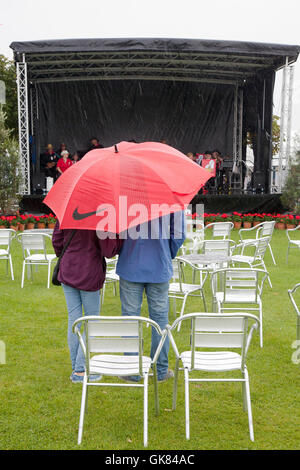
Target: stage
point(268, 203)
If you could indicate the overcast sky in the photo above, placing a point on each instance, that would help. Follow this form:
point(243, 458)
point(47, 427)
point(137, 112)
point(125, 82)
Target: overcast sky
point(273, 21)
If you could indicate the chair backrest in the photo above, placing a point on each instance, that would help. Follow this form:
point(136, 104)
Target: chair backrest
point(33, 241)
point(266, 229)
point(243, 283)
point(292, 231)
point(221, 229)
point(261, 247)
point(6, 236)
point(193, 226)
point(113, 335)
point(217, 246)
point(218, 330)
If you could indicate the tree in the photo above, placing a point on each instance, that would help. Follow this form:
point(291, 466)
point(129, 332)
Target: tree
point(8, 76)
point(275, 135)
point(10, 174)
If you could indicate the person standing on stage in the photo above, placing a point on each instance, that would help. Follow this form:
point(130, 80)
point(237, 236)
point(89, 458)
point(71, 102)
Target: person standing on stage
point(48, 162)
point(95, 144)
point(63, 163)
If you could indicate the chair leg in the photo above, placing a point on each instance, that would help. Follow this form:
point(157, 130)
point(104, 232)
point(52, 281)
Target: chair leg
point(155, 390)
point(187, 403)
point(271, 252)
point(146, 410)
point(248, 400)
point(261, 325)
point(11, 268)
point(48, 279)
point(182, 310)
point(175, 384)
point(82, 409)
point(204, 301)
point(23, 273)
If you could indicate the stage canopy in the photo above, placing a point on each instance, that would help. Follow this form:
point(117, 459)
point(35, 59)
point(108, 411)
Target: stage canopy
point(195, 94)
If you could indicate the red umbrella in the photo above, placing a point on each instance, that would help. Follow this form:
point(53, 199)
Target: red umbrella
point(119, 187)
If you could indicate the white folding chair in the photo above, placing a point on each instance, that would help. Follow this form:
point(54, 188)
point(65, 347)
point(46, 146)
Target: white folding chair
point(265, 229)
point(179, 290)
point(292, 242)
point(220, 229)
point(220, 332)
point(6, 237)
point(292, 293)
point(35, 252)
point(239, 286)
point(107, 338)
point(257, 259)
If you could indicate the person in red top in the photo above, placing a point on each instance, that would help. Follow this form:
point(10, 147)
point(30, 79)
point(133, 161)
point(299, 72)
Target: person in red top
point(64, 162)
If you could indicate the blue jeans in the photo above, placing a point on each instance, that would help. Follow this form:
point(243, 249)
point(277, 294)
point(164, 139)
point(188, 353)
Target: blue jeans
point(131, 294)
point(76, 301)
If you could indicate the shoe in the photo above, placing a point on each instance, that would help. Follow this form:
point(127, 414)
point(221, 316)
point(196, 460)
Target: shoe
point(169, 375)
point(77, 379)
point(130, 378)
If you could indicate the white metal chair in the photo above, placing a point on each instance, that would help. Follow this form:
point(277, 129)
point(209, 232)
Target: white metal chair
point(6, 237)
point(107, 338)
point(239, 286)
point(291, 293)
point(219, 332)
point(265, 229)
point(183, 290)
point(220, 229)
point(35, 252)
point(255, 260)
point(292, 242)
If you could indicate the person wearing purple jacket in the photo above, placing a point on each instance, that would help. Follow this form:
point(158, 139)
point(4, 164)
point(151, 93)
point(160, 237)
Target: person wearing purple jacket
point(82, 274)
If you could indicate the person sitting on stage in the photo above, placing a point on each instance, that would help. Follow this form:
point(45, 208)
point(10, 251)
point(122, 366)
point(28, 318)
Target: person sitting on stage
point(64, 162)
point(48, 161)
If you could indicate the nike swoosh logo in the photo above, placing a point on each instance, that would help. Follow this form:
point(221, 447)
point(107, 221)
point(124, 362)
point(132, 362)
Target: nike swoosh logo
point(77, 216)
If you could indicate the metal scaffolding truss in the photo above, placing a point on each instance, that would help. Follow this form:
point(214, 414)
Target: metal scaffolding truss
point(23, 126)
point(285, 125)
point(159, 65)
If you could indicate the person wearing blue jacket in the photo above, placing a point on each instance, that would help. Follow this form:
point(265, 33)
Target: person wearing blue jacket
point(145, 264)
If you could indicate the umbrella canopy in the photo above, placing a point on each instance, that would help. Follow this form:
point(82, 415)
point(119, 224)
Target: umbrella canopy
point(119, 187)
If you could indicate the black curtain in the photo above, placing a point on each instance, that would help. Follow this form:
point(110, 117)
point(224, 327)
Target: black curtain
point(191, 117)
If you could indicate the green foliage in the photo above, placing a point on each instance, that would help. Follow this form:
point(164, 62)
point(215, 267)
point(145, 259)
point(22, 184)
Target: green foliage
point(291, 192)
point(8, 76)
point(10, 175)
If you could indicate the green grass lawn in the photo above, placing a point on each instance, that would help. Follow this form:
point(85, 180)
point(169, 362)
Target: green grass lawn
point(40, 406)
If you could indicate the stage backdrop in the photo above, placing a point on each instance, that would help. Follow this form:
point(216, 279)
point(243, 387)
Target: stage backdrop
point(191, 117)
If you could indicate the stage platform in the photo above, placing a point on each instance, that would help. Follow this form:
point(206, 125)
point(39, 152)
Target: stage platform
point(214, 203)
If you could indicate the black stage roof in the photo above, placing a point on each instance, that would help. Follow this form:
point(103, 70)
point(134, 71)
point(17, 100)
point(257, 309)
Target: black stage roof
point(197, 60)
